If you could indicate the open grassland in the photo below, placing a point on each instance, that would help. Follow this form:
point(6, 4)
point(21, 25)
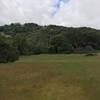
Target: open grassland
point(51, 77)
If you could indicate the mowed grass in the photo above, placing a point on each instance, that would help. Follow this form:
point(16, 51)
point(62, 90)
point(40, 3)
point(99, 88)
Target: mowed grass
point(51, 77)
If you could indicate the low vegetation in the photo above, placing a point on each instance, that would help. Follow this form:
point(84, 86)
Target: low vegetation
point(51, 77)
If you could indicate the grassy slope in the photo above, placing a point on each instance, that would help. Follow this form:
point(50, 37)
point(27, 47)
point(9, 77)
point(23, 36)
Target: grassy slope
point(51, 77)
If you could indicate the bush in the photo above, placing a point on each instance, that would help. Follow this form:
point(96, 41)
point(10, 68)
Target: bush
point(8, 52)
point(91, 54)
point(36, 51)
point(87, 49)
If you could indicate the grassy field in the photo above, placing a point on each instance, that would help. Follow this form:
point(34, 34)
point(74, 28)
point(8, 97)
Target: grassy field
point(51, 77)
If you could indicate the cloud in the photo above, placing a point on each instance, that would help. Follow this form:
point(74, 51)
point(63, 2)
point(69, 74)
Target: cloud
point(57, 5)
point(24, 10)
point(67, 13)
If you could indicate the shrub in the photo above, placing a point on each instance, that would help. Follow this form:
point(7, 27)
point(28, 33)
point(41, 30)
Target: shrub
point(8, 52)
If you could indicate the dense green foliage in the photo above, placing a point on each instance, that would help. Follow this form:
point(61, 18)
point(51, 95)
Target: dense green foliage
point(31, 38)
point(8, 51)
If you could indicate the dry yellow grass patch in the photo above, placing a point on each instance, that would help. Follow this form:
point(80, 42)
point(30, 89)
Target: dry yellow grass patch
point(56, 90)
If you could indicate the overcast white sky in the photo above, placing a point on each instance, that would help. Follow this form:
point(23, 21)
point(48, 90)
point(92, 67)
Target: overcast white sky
point(59, 12)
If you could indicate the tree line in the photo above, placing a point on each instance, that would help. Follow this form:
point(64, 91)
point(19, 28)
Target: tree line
point(27, 39)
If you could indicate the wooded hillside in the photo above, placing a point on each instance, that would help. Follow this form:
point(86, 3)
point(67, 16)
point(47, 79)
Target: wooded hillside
point(30, 38)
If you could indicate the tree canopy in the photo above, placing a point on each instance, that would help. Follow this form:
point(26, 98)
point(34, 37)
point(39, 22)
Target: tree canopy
point(31, 38)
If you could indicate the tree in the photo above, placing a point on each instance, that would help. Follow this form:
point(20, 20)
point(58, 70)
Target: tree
point(60, 45)
point(31, 38)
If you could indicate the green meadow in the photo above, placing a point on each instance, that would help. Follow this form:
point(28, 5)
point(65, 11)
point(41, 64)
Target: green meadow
point(51, 77)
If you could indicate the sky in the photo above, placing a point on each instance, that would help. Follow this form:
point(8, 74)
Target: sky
point(70, 13)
